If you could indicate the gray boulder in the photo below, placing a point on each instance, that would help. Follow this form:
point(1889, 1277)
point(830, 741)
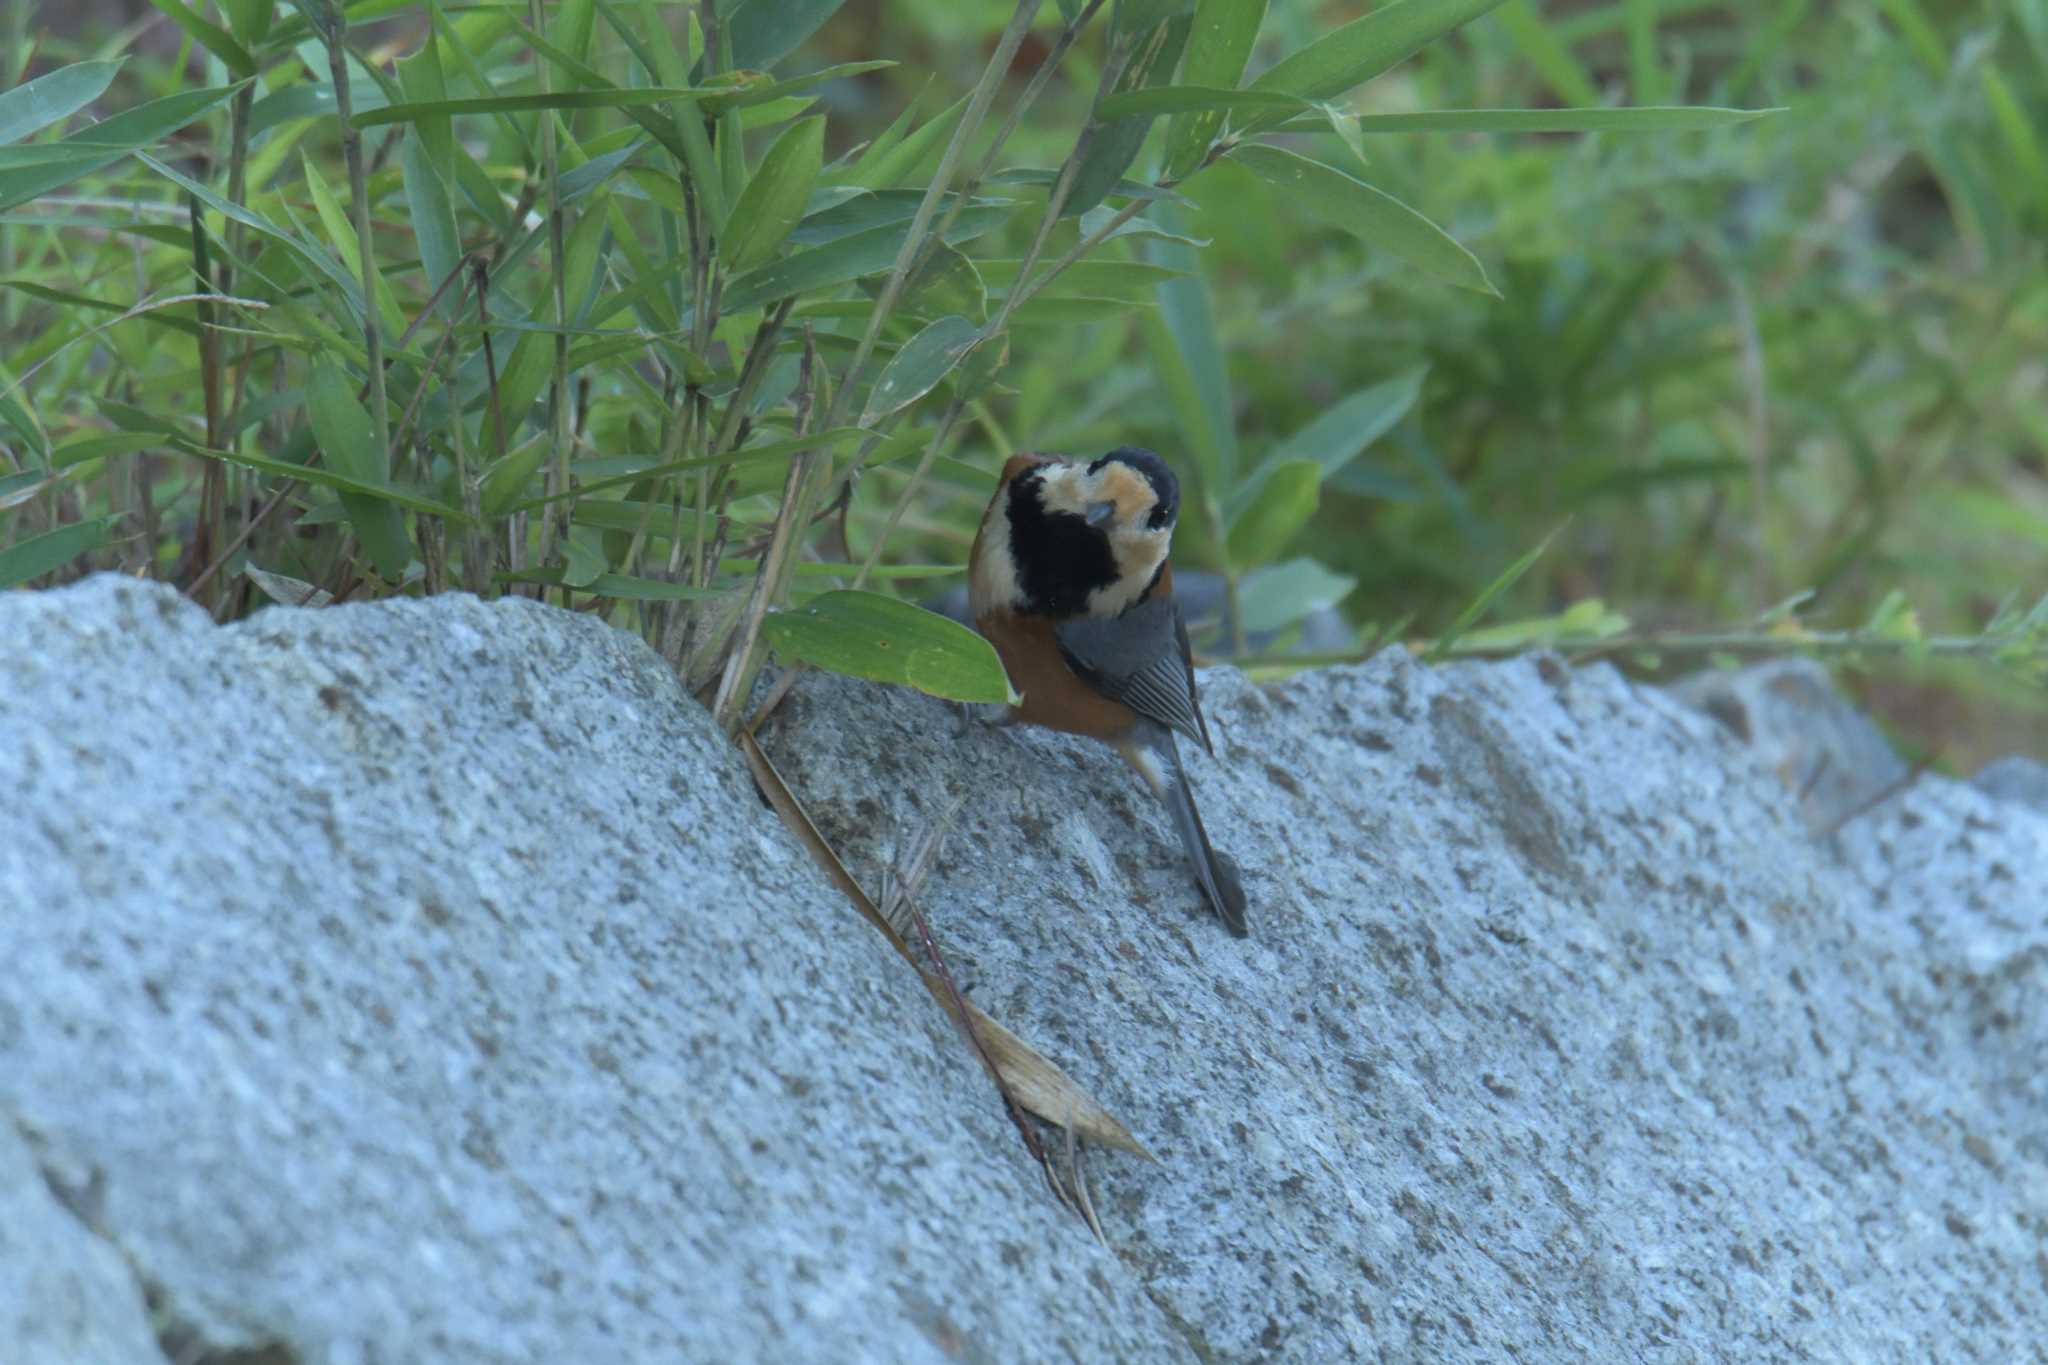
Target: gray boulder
point(2015, 777)
point(1829, 753)
point(426, 981)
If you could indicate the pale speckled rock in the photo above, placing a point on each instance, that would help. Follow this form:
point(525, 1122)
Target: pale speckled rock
point(1557, 1036)
point(1828, 752)
point(66, 1296)
point(425, 982)
point(2015, 778)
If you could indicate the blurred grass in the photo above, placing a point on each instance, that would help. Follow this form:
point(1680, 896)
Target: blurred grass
point(1727, 365)
point(1737, 364)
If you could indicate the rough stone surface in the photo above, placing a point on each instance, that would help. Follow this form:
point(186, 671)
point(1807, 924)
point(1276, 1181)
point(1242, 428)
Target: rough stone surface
point(424, 981)
point(1829, 753)
point(1557, 1037)
point(66, 1296)
point(2015, 778)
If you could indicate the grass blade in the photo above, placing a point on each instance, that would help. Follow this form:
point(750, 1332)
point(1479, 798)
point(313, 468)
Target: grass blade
point(1368, 213)
point(1488, 595)
point(36, 104)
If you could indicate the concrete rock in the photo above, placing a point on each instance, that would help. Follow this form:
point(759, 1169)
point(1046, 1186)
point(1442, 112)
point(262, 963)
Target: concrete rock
point(424, 981)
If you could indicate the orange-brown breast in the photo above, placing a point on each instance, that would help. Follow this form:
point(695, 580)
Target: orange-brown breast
point(1053, 695)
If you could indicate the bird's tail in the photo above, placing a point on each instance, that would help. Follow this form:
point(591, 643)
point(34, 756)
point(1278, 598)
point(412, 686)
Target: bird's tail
point(1215, 873)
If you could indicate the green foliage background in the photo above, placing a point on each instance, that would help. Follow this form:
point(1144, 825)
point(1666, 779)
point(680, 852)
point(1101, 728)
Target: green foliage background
point(1707, 366)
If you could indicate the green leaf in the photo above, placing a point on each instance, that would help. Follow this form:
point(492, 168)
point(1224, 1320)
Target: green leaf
point(1181, 99)
point(314, 101)
point(1354, 422)
point(342, 233)
point(1188, 356)
point(433, 221)
point(583, 553)
point(1548, 54)
point(342, 427)
point(1646, 77)
point(768, 113)
point(36, 289)
point(572, 26)
point(1096, 218)
point(1352, 55)
point(27, 486)
point(210, 36)
point(423, 80)
point(749, 90)
point(760, 33)
point(623, 588)
point(520, 382)
point(320, 261)
point(879, 170)
point(773, 201)
point(918, 367)
point(946, 281)
point(1894, 618)
point(1142, 16)
point(1038, 177)
point(842, 210)
point(1133, 281)
point(1663, 119)
point(82, 448)
point(840, 261)
point(1275, 596)
point(1922, 38)
point(36, 556)
point(1488, 595)
point(1582, 621)
point(50, 99)
point(249, 19)
point(23, 421)
point(867, 635)
point(1372, 215)
point(509, 104)
point(769, 452)
point(91, 149)
point(397, 494)
point(506, 478)
point(1219, 41)
point(2018, 133)
point(1287, 496)
point(598, 170)
point(819, 267)
point(1116, 141)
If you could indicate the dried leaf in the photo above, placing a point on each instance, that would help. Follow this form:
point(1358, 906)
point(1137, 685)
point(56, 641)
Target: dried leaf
point(1033, 1082)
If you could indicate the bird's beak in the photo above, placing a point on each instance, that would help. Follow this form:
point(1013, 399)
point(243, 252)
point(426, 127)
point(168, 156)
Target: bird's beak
point(1100, 512)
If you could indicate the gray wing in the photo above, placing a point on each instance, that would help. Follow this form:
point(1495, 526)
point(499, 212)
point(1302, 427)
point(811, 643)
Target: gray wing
point(1141, 659)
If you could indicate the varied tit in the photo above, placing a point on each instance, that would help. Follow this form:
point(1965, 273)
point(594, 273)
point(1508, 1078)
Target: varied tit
point(1069, 580)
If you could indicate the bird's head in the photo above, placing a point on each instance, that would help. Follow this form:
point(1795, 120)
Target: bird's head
point(1064, 538)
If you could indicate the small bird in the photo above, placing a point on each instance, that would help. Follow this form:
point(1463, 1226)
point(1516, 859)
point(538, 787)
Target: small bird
point(1070, 581)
